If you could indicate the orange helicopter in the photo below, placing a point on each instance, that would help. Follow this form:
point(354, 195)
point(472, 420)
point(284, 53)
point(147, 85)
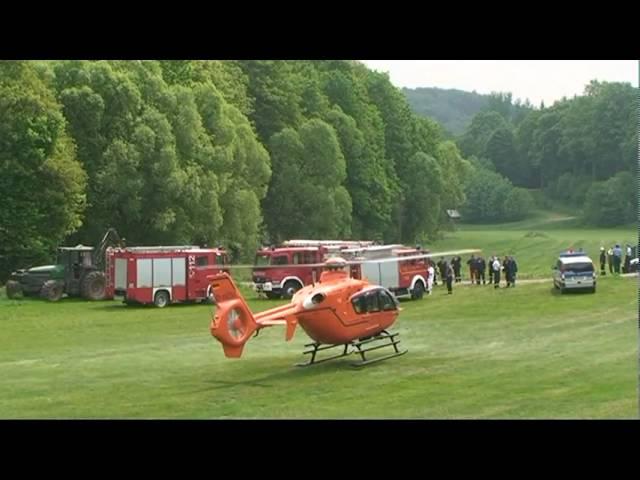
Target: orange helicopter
point(336, 311)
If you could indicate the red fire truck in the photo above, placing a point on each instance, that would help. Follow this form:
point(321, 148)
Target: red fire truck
point(405, 278)
point(163, 275)
point(290, 277)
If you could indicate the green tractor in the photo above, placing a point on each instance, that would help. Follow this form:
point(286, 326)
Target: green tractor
point(79, 272)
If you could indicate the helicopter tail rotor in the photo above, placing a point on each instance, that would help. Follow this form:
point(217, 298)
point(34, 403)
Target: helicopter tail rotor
point(233, 323)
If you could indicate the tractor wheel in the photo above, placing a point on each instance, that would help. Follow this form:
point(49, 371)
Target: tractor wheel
point(14, 289)
point(161, 299)
point(418, 291)
point(94, 286)
point(289, 288)
point(52, 290)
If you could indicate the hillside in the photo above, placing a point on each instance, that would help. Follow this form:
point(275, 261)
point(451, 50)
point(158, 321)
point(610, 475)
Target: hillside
point(453, 108)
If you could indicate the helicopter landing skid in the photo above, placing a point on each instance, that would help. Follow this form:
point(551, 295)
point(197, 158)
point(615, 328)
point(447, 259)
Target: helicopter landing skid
point(361, 347)
point(317, 347)
point(388, 339)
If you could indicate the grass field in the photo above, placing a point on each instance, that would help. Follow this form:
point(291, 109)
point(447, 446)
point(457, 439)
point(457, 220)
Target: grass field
point(535, 242)
point(480, 353)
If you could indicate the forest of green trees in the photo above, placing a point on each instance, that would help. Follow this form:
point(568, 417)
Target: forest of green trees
point(214, 152)
point(580, 152)
point(246, 152)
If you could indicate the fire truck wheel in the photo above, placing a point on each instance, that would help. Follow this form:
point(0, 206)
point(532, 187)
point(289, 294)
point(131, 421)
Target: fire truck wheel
point(94, 286)
point(289, 288)
point(13, 289)
point(52, 290)
point(161, 299)
point(418, 291)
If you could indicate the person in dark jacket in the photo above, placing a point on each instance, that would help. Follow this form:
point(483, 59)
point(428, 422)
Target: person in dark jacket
point(442, 268)
point(603, 261)
point(506, 269)
point(513, 270)
point(450, 277)
point(456, 264)
point(481, 269)
point(610, 260)
point(472, 268)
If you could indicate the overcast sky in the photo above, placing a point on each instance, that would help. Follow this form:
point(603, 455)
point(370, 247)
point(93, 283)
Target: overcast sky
point(537, 80)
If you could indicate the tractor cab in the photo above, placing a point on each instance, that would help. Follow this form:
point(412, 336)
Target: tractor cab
point(76, 262)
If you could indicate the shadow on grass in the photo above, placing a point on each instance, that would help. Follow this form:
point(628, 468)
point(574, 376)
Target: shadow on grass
point(292, 372)
point(583, 291)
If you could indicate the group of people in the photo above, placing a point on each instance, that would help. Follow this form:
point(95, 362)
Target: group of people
point(613, 256)
point(449, 272)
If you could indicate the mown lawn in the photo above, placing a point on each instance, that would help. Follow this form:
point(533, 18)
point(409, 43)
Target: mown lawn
point(480, 353)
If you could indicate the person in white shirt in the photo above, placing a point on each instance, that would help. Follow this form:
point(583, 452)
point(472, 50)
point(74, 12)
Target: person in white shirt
point(431, 274)
point(496, 267)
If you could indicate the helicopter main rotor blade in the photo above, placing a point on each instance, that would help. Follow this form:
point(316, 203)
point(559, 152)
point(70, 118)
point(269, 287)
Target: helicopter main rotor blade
point(417, 257)
point(360, 262)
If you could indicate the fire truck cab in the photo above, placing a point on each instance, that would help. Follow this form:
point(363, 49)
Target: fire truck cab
point(163, 275)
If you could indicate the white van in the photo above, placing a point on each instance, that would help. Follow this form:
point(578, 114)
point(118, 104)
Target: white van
point(574, 271)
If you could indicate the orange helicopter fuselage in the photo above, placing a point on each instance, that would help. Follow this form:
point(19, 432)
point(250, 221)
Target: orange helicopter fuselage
point(334, 320)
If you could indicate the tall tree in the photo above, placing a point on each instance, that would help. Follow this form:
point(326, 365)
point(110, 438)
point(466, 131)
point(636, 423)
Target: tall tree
point(42, 182)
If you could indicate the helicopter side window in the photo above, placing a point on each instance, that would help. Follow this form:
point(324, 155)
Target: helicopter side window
point(359, 304)
point(386, 302)
point(373, 305)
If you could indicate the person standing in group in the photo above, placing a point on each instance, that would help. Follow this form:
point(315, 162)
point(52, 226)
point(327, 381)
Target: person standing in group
point(431, 272)
point(450, 277)
point(627, 259)
point(480, 270)
point(617, 258)
point(472, 268)
point(513, 270)
point(610, 259)
point(603, 261)
point(495, 266)
point(431, 263)
point(456, 264)
point(505, 269)
point(491, 259)
point(442, 268)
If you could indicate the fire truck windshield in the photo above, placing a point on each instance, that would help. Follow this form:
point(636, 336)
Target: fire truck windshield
point(262, 260)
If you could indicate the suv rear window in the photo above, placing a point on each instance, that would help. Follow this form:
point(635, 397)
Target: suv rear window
point(581, 267)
